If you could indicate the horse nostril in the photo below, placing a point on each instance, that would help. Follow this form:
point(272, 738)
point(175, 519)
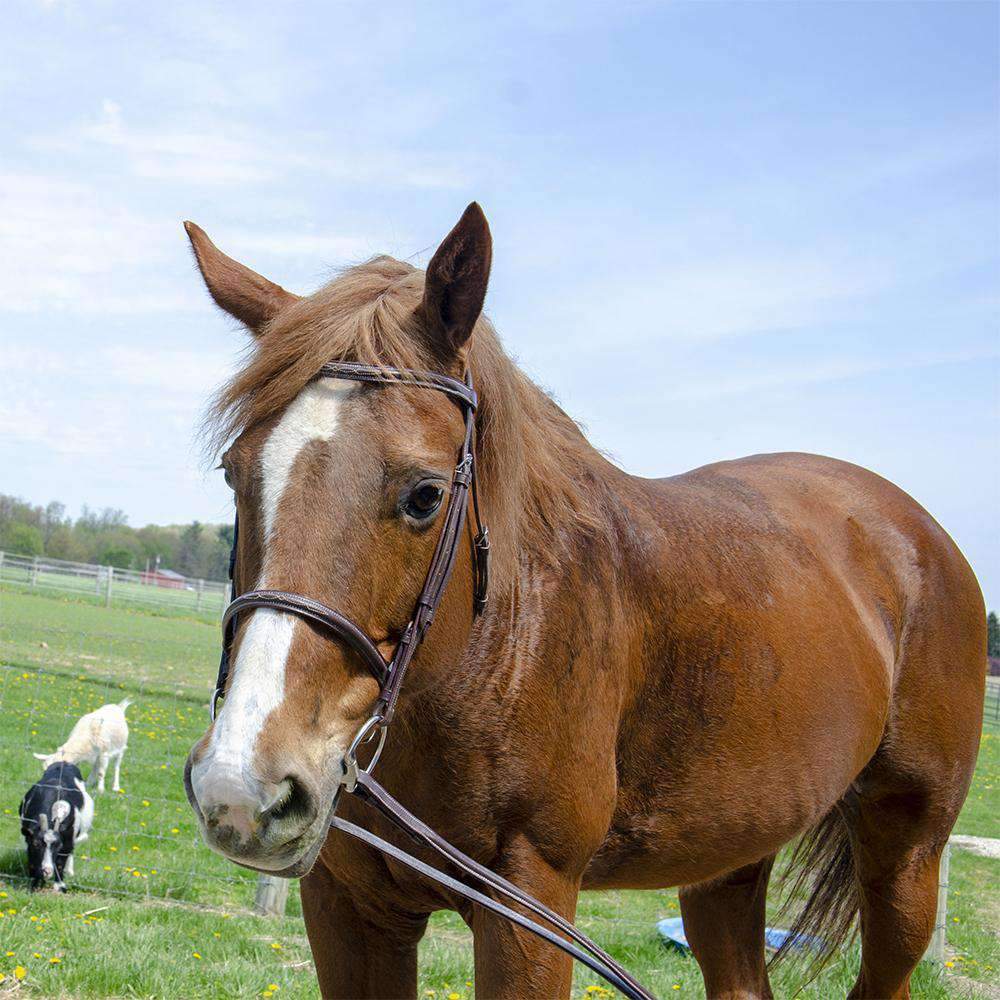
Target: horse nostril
point(293, 802)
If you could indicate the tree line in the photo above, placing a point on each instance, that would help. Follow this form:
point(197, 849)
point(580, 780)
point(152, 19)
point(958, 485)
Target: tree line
point(105, 537)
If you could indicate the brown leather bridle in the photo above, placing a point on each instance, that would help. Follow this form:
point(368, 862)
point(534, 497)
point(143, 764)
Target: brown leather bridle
point(357, 780)
point(389, 674)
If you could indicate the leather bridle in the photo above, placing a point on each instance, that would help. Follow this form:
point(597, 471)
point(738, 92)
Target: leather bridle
point(389, 674)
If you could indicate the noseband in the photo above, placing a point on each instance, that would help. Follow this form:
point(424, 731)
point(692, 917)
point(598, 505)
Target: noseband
point(357, 780)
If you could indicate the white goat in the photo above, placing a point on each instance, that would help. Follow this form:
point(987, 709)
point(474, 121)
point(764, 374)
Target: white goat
point(97, 738)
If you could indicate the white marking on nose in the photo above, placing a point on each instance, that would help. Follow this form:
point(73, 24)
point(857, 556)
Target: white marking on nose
point(258, 684)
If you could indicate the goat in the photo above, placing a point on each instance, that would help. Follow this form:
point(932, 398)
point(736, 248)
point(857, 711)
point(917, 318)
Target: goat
point(98, 737)
point(56, 815)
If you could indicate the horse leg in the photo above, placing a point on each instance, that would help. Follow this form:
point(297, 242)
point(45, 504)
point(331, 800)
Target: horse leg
point(911, 792)
point(512, 963)
point(724, 924)
point(897, 869)
point(358, 953)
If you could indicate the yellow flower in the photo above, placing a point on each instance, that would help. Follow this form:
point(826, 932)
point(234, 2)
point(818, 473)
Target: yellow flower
point(112, 848)
point(949, 965)
point(676, 986)
point(107, 868)
point(276, 946)
point(37, 954)
point(273, 986)
point(145, 803)
point(10, 954)
point(454, 996)
point(267, 993)
point(174, 829)
point(55, 961)
point(216, 934)
point(3, 895)
point(196, 955)
point(20, 972)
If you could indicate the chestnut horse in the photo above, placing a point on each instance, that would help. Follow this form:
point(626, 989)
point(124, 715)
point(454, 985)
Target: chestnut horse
point(672, 679)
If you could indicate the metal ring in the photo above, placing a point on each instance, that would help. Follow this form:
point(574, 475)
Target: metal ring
point(364, 735)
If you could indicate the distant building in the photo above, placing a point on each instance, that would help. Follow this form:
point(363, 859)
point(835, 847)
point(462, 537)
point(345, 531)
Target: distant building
point(164, 578)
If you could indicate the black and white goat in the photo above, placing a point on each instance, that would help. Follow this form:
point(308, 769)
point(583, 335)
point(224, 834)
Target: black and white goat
point(56, 815)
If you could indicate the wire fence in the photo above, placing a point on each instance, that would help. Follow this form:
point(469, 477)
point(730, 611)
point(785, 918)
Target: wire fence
point(154, 589)
point(60, 659)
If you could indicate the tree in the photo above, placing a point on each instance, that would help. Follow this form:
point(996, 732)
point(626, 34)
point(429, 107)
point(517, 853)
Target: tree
point(21, 539)
point(992, 634)
point(188, 554)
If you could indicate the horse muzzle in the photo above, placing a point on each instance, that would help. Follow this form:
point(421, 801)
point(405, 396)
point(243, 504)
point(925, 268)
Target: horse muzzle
point(268, 826)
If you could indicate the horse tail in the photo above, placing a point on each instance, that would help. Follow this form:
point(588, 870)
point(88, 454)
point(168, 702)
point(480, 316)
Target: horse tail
point(821, 868)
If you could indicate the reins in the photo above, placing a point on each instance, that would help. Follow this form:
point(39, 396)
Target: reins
point(357, 780)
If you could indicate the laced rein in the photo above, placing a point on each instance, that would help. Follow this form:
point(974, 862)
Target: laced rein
point(357, 780)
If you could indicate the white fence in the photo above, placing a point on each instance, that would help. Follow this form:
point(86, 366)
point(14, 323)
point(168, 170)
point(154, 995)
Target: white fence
point(105, 584)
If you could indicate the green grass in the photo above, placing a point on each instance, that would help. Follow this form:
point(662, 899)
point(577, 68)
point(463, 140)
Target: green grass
point(135, 919)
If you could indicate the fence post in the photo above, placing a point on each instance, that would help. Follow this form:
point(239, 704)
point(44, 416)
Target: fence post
point(34, 571)
point(936, 949)
point(271, 896)
point(107, 593)
point(198, 592)
point(1, 563)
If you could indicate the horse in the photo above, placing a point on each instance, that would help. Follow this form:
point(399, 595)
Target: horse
point(671, 679)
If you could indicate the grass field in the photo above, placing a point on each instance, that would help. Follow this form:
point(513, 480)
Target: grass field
point(154, 913)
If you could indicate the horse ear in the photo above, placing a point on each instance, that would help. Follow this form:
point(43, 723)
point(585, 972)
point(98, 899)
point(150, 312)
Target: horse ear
point(455, 286)
point(243, 293)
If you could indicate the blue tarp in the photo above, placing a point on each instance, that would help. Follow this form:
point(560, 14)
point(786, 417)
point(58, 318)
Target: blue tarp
point(672, 931)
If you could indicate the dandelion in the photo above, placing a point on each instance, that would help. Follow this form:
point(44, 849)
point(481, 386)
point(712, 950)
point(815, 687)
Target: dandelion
point(107, 868)
point(276, 946)
point(272, 986)
point(454, 996)
point(3, 895)
point(55, 960)
point(676, 986)
point(174, 829)
point(145, 803)
point(37, 954)
point(196, 955)
point(112, 848)
point(949, 965)
point(216, 934)
point(10, 954)
point(20, 972)
point(267, 993)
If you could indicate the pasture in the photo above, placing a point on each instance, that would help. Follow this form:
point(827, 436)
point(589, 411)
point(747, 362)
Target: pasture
point(152, 912)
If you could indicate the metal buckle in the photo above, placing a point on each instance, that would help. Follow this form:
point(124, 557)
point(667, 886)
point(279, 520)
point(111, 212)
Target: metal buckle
point(364, 735)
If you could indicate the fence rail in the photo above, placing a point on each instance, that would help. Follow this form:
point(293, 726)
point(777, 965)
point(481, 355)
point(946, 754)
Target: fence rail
point(152, 590)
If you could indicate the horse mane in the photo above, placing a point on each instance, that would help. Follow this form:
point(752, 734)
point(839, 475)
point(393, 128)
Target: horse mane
point(539, 475)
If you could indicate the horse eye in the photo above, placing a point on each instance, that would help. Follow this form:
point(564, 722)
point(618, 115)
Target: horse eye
point(226, 475)
point(424, 501)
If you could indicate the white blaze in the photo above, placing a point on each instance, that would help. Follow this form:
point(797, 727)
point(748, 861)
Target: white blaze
point(258, 674)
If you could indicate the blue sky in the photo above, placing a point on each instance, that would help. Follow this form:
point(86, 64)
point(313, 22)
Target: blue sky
point(720, 228)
